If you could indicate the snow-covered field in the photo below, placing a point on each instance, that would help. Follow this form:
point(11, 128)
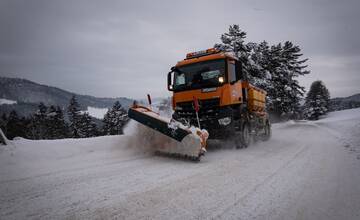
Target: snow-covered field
point(96, 112)
point(7, 102)
point(308, 170)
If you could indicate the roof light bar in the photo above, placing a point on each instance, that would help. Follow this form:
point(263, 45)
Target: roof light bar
point(201, 53)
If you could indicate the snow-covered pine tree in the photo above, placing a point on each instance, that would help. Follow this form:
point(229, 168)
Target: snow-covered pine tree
point(15, 126)
point(39, 123)
point(62, 127)
point(87, 128)
point(3, 122)
point(74, 115)
point(253, 56)
point(115, 119)
point(50, 131)
point(56, 125)
point(317, 101)
point(285, 66)
point(258, 68)
point(234, 41)
point(273, 69)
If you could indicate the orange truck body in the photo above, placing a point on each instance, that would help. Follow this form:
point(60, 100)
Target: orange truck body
point(237, 99)
point(229, 94)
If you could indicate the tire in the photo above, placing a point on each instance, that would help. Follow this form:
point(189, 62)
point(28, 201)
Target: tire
point(245, 136)
point(237, 140)
point(267, 132)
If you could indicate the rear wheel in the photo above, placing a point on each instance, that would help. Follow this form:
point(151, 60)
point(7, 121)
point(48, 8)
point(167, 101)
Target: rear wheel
point(267, 132)
point(245, 136)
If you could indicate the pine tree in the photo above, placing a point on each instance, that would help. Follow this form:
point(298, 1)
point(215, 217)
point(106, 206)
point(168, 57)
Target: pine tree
point(273, 69)
point(3, 122)
point(87, 128)
point(285, 92)
point(114, 120)
point(234, 41)
point(253, 56)
point(39, 124)
point(62, 126)
point(15, 127)
point(56, 125)
point(74, 115)
point(317, 101)
point(259, 65)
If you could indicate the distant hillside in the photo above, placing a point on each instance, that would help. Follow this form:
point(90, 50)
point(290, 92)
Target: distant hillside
point(28, 95)
point(337, 104)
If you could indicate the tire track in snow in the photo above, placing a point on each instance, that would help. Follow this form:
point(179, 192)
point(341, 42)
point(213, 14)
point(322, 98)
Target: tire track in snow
point(265, 181)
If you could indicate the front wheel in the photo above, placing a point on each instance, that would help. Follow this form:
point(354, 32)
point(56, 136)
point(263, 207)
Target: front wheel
point(238, 140)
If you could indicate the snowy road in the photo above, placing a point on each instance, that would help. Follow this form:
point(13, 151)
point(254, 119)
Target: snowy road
point(306, 171)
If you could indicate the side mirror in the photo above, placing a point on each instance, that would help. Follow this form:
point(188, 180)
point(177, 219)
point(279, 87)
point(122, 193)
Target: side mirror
point(169, 81)
point(239, 70)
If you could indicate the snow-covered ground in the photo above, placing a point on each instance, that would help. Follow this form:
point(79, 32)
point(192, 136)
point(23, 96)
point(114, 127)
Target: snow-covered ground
point(7, 102)
point(308, 170)
point(98, 113)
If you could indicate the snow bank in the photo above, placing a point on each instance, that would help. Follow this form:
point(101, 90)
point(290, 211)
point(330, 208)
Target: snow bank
point(98, 113)
point(302, 172)
point(3, 139)
point(38, 157)
point(7, 102)
point(349, 114)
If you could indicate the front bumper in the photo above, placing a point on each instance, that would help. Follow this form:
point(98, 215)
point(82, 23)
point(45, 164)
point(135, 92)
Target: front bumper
point(218, 121)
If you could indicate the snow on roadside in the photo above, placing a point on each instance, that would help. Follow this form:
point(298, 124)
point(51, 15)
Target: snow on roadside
point(301, 172)
point(37, 157)
point(348, 114)
point(345, 126)
point(7, 102)
point(98, 113)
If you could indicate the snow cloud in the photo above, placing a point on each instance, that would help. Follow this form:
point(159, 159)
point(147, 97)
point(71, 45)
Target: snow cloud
point(125, 48)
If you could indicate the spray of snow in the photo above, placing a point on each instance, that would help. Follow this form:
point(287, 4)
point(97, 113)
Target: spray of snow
point(142, 138)
point(148, 140)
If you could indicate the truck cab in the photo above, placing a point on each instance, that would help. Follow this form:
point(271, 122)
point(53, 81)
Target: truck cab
point(217, 80)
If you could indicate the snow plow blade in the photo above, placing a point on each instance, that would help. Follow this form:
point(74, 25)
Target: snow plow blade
point(180, 140)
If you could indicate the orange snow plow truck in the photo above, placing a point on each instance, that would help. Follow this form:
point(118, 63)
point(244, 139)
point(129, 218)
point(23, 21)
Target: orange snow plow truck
point(210, 90)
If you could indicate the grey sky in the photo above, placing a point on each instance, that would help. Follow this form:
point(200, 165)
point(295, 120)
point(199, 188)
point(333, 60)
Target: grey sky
point(125, 48)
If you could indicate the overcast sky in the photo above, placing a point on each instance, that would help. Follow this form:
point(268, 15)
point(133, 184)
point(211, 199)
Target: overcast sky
point(125, 48)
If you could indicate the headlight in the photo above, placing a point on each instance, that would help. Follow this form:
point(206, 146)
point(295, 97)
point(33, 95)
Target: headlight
point(224, 121)
point(221, 79)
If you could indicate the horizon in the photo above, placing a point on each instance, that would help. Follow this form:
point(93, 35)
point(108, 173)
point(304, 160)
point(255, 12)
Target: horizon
point(107, 50)
point(144, 98)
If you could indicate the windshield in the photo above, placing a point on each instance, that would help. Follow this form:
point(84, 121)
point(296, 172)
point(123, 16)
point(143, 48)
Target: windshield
point(200, 75)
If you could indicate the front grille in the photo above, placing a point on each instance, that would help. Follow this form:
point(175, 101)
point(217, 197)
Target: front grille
point(207, 107)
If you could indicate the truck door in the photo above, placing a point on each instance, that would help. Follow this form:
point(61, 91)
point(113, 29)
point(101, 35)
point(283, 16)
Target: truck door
point(235, 83)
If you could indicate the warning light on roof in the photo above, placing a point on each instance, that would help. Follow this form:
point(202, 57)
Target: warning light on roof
point(202, 53)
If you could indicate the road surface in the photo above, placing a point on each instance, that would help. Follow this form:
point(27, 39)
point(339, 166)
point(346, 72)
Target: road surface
point(308, 170)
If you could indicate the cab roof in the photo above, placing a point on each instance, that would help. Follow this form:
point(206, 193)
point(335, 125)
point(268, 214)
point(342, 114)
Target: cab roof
point(205, 55)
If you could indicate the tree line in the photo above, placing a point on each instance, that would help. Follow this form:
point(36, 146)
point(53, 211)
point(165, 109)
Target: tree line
point(276, 68)
point(49, 122)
